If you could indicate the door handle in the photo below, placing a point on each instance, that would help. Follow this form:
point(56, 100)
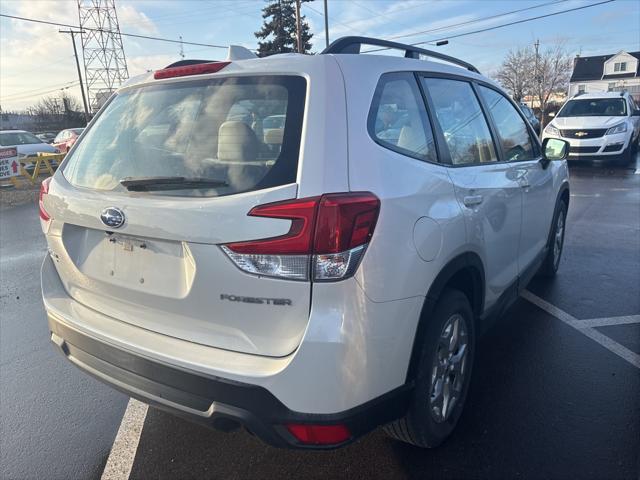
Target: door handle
point(522, 179)
point(471, 200)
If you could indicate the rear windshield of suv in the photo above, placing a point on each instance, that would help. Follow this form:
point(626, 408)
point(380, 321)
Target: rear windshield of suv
point(595, 107)
point(218, 135)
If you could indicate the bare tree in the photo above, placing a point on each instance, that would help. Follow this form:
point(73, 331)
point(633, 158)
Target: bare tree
point(516, 72)
point(55, 105)
point(551, 75)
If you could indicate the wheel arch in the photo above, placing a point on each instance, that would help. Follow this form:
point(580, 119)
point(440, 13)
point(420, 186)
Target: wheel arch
point(465, 272)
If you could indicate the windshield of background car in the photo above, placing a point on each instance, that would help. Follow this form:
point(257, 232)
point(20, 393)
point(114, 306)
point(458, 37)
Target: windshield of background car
point(595, 107)
point(18, 138)
point(204, 129)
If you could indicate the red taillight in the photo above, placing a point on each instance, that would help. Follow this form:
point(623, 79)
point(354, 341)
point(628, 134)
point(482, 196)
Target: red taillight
point(187, 70)
point(325, 242)
point(320, 434)
point(299, 239)
point(345, 221)
point(329, 224)
point(44, 189)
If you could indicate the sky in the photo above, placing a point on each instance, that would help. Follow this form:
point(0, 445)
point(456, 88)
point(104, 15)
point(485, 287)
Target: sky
point(37, 61)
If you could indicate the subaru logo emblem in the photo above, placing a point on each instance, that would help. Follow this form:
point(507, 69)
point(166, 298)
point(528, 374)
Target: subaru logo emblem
point(112, 217)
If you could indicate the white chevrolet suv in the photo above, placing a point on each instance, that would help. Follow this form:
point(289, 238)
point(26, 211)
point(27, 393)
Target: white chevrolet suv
point(307, 246)
point(603, 125)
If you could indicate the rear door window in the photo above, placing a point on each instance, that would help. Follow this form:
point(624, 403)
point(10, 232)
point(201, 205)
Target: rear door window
point(514, 134)
point(203, 129)
point(398, 118)
point(463, 124)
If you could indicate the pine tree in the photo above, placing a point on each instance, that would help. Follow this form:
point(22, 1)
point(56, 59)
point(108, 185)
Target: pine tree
point(279, 29)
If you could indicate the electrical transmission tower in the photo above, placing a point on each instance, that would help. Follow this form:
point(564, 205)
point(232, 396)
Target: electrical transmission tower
point(105, 66)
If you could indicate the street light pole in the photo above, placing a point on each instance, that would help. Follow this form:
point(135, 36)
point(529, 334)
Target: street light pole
point(75, 52)
point(535, 70)
point(326, 24)
point(298, 27)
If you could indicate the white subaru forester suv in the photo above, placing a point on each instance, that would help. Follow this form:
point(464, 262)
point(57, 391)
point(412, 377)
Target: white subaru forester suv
point(603, 125)
point(312, 278)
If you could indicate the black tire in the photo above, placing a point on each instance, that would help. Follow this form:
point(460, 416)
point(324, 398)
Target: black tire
point(626, 157)
point(551, 262)
point(419, 426)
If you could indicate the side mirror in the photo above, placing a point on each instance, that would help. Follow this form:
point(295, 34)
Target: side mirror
point(554, 149)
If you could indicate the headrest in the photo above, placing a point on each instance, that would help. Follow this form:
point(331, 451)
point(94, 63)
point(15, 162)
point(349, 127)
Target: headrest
point(237, 142)
point(412, 139)
point(273, 136)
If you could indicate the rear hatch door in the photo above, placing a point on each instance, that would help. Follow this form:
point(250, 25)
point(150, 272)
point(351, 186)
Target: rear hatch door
point(164, 176)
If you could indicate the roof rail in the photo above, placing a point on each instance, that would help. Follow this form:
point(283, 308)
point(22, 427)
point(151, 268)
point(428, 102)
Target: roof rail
point(353, 44)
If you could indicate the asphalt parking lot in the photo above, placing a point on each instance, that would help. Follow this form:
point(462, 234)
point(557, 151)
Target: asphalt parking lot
point(555, 391)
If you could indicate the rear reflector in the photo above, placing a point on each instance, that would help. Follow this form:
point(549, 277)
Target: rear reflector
point(320, 434)
point(197, 69)
point(325, 242)
point(44, 190)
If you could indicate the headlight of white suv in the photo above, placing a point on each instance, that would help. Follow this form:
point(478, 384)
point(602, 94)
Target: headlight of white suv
point(619, 128)
point(551, 130)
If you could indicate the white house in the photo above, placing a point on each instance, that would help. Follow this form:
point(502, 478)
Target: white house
point(606, 73)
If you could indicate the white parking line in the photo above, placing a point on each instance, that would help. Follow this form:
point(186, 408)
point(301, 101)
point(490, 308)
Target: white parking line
point(125, 446)
point(608, 322)
point(586, 329)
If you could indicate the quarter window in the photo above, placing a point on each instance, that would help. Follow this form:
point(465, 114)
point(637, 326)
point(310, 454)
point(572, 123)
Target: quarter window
point(464, 126)
point(513, 132)
point(398, 119)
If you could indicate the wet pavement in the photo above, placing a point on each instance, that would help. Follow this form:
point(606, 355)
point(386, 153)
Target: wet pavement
point(546, 400)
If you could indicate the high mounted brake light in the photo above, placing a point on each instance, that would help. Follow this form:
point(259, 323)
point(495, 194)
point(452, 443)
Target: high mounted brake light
point(325, 242)
point(197, 69)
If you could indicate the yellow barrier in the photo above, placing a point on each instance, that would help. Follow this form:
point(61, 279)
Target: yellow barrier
point(41, 162)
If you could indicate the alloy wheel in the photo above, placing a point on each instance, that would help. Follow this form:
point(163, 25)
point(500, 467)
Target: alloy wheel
point(449, 368)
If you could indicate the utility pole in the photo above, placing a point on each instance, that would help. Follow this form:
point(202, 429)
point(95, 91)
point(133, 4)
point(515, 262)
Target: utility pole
point(298, 27)
point(535, 70)
point(75, 53)
point(326, 24)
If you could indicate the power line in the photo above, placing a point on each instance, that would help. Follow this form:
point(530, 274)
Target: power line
point(468, 22)
point(31, 91)
point(495, 27)
point(146, 37)
point(38, 93)
point(333, 20)
point(516, 22)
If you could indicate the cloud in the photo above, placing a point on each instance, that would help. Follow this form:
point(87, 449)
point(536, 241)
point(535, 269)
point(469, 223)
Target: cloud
point(37, 58)
point(135, 21)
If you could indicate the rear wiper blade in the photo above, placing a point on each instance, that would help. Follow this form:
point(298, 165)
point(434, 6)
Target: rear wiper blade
point(145, 184)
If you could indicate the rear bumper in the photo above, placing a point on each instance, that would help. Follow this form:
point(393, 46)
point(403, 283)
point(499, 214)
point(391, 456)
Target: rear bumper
point(212, 401)
point(342, 372)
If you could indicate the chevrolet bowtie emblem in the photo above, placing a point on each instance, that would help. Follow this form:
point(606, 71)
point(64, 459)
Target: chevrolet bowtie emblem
point(581, 134)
